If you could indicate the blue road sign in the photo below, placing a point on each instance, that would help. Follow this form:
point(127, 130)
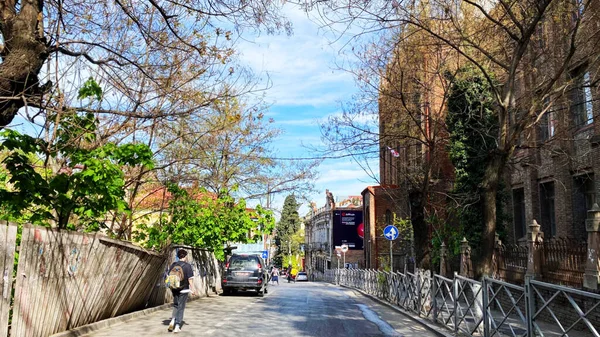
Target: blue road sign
point(265, 254)
point(390, 232)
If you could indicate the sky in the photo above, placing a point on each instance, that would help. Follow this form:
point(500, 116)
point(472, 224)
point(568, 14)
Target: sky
point(306, 89)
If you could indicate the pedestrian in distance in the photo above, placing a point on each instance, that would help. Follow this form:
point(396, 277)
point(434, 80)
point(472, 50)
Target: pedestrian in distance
point(179, 280)
point(275, 276)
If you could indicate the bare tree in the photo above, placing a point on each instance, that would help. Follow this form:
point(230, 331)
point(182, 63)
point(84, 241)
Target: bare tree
point(398, 118)
point(525, 49)
point(129, 42)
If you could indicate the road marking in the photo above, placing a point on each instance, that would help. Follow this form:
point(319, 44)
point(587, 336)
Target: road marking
point(383, 326)
point(208, 332)
point(219, 324)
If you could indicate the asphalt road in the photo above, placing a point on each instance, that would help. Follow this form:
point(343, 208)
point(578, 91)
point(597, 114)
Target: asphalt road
point(290, 309)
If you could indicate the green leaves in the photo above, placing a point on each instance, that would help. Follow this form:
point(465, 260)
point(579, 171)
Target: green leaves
point(288, 225)
point(200, 219)
point(473, 126)
point(90, 89)
point(88, 184)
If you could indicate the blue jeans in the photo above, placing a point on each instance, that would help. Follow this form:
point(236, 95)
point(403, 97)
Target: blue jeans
point(179, 300)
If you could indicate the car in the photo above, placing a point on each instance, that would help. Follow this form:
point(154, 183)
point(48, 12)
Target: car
point(302, 276)
point(245, 272)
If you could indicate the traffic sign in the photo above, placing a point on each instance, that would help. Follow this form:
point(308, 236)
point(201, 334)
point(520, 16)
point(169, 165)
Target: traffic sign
point(390, 232)
point(344, 248)
point(265, 254)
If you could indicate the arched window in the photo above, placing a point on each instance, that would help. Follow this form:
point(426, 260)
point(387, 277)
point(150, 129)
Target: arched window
point(388, 217)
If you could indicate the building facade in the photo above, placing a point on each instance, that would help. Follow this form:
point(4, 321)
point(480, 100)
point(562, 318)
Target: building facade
point(381, 204)
point(552, 176)
point(339, 222)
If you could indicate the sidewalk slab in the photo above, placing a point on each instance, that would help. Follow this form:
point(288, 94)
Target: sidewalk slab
point(437, 329)
point(110, 322)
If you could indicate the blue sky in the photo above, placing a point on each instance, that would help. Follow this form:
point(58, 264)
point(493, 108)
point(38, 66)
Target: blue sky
point(306, 89)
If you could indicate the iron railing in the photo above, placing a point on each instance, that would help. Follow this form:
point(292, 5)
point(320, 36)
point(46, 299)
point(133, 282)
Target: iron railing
point(487, 308)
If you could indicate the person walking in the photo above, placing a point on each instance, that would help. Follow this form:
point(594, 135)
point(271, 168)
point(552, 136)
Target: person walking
point(180, 294)
point(275, 276)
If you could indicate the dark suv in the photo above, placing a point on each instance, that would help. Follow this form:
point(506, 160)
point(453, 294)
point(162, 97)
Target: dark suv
point(245, 272)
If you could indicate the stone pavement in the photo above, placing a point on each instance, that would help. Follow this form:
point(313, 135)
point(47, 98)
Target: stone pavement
point(255, 316)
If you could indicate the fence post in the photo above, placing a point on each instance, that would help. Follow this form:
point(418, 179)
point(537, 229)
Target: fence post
point(465, 258)
point(455, 304)
point(418, 278)
point(485, 300)
point(498, 258)
point(433, 290)
point(534, 236)
point(530, 307)
point(592, 267)
point(443, 256)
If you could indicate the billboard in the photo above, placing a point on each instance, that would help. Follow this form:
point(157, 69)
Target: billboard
point(346, 228)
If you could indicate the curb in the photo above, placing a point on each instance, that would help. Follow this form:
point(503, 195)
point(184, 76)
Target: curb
point(427, 324)
point(109, 322)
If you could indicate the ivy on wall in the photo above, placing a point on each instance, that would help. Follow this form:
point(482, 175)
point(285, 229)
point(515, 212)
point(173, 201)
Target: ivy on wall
point(473, 128)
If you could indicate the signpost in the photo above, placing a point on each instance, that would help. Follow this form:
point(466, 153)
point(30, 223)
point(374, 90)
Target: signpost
point(338, 252)
point(391, 233)
point(344, 250)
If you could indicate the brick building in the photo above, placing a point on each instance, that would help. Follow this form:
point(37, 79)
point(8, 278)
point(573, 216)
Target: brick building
point(551, 176)
point(414, 167)
point(380, 204)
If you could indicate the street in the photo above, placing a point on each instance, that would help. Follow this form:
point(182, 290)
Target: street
point(290, 309)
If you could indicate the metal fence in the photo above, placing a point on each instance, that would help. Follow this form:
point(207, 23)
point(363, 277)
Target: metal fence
point(511, 262)
point(487, 308)
point(564, 260)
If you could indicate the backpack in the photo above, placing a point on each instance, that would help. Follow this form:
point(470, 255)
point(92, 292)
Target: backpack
point(175, 278)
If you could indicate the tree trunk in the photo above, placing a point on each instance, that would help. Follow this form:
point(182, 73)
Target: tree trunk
point(491, 180)
point(23, 56)
point(420, 229)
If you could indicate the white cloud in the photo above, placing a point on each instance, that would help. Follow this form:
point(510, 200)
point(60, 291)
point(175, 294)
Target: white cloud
point(300, 67)
point(300, 122)
point(338, 175)
point(306, 88)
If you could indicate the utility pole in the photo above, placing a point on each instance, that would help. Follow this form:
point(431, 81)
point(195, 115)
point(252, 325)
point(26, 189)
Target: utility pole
point(290, 252)
point(265, 236)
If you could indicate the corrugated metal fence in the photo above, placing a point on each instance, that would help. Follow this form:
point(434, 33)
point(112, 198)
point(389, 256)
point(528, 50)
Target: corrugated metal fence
point(66, 279)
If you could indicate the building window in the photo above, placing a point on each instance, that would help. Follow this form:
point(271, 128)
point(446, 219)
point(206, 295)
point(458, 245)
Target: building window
point(547, 209)
point(584, 196)
point(547, 122)
point(581, 98)
point(519, 212)
point(388, 217)
point(514, 115)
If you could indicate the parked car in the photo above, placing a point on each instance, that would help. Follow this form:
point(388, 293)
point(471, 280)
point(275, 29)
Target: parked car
point(302, 276)
point(245, 272)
